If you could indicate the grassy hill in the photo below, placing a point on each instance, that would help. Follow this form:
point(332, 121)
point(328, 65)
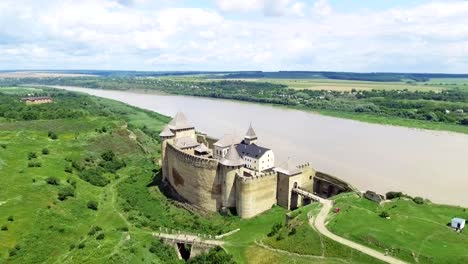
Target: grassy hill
point(416, 233)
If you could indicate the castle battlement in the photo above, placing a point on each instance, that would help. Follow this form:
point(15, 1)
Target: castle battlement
point(251, 179)
point(304, 165)
point(197, 161)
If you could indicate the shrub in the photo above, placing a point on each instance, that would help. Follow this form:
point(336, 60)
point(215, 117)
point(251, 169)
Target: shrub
point(393, 195)
point(100, 236)
point(72, 246)
point(384, 214)
point(214, 255)
point(4, 228)
point(81, 245)
point(279, 237)
point(94, 176)
point(32, 155)
point(275, 229)
point(3, 146)
point(45, 151)
point(52, 181)
point(68, 169)
point(418, 200)
point(92, 205)
point(10, 218)
point(34, 164)
point(164, 251)
point(52, 135)
point(65, 192)
point(292, 232)
point(12, 252)
point(92, 231)
point(124, 228)
point(108, 155)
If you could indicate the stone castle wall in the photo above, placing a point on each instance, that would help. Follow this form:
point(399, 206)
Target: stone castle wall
point(194, 178)
point(256, 194)
point(304, 180)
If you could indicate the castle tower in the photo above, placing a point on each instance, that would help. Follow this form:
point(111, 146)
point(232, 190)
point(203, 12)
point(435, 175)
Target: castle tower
point(250, 136)
point(230, 165)
point(165, 136)
point(181, 127)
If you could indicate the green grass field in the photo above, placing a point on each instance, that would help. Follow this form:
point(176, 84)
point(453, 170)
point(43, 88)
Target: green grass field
point(453, 83)
point(348, 85)
point(298, 236)
point(415, 233)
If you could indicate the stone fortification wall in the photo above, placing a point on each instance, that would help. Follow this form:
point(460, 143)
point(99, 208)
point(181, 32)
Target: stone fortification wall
point(326, 185)
point(194, 178)
point(255, 194)
point(286, 183)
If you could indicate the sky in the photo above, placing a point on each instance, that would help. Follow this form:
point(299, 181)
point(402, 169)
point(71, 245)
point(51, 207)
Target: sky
point(233, 35)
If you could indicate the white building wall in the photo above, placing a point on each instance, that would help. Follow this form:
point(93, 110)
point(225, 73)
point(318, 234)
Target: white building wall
point(265, 162)
point(220, 152)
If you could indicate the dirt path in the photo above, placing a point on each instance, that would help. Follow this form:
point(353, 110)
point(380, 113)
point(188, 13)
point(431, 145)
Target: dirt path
point(320, 226)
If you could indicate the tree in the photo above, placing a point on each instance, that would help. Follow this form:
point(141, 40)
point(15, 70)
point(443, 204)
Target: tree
point(45, 151)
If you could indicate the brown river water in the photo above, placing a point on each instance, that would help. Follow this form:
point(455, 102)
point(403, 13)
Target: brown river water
point(430, 164)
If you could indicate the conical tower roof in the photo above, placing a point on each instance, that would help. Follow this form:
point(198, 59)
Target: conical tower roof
point(288, 168)
point(166, 132)
point(232, 158)
point(250, 133)
point(180, 122)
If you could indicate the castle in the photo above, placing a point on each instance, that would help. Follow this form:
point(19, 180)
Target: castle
point(232, 174)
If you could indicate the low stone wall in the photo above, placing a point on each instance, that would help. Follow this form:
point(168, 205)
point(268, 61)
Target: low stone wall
point(256, 194)
point(194, 178)
point(327, 186)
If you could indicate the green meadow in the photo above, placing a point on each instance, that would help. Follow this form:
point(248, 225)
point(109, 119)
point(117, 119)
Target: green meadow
point(81, 184)
point(416, 233)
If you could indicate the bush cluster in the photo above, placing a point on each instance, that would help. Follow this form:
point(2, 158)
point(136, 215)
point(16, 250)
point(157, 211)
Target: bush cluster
point(93, 205)
point(34, 164)
point(52, 181)
point(52, 135)
point(65, 192)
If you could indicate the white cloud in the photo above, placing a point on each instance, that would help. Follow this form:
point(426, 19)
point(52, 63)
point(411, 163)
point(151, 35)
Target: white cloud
point(141, 35)
point(267, 7)
point(322, 8)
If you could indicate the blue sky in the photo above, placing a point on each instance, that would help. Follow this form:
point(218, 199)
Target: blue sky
point(334, 35)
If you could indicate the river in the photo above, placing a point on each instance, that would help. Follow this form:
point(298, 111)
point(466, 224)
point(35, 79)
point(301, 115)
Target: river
point(430, 164)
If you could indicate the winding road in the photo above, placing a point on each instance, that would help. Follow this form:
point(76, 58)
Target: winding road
point(319, 223)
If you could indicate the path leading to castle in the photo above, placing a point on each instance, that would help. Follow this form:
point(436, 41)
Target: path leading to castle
point(319, 224)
